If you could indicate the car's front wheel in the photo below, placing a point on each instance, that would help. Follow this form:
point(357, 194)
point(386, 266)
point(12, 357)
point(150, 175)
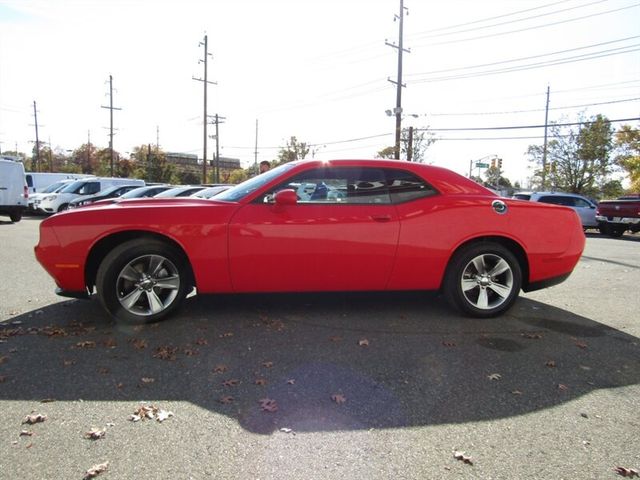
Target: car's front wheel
point(483, 280)
point(142, 280)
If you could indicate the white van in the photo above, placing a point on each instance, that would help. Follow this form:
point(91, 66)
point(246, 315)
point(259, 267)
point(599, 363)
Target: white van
point(38, 181)
point(57, 202)
point(13, 189)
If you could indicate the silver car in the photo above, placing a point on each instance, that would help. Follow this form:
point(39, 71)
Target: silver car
point(585, 208)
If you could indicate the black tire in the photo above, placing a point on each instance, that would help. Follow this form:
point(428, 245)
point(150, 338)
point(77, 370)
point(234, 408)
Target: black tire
point(617, 232)
point(483, 280)
point(142, 281)
point(63, 207)
point(15, 216)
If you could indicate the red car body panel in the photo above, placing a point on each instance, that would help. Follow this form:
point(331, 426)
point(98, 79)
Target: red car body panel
point(247, 246)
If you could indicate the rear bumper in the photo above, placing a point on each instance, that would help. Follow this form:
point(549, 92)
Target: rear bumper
point(549, 282)
point(618, 220)
point(84, 295)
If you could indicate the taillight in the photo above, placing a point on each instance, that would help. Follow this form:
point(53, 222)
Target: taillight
point(26, 192)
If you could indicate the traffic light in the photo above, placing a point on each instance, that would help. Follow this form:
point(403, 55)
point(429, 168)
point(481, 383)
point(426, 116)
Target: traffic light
point(499, 164)
point(493, 163)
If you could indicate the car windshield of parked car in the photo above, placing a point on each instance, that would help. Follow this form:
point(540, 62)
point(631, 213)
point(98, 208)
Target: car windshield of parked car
point(249, 186)
point(55, 187)
point(73, 186)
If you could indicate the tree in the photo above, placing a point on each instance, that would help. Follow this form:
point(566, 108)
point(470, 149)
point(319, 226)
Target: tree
point(86, 158)
point(578, 159)
point(153, 165)
point(627, 141)
point(422, 139)
point(293, 151)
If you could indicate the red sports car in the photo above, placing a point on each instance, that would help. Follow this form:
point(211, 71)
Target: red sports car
point(315, 226)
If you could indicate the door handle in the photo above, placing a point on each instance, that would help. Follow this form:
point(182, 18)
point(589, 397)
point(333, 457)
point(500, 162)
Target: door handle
point(381, 218)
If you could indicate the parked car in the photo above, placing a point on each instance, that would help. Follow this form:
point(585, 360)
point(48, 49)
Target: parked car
point(183, 191)
point(139, 192)
point(57, 202)
point(585, 208)
point(38, 181)
point(399, 226)
point(111, 192)
point(617, 216)
point(38, 196)
point(13, 189)
point(211, 191)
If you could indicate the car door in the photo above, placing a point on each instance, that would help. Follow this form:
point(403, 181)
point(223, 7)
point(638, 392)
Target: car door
point(340, 235)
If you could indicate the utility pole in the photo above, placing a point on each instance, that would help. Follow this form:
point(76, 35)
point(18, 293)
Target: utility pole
point(205, 82)
point(35, 116)
point(398, 83)
point(410, 146)
point(544, 148)
point(255, 151)
point(217, 120)
point(88, 149)
point(111, 108)
point(157, 138)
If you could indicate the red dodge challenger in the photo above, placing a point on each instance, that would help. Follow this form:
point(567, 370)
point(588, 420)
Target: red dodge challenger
point(314, 226)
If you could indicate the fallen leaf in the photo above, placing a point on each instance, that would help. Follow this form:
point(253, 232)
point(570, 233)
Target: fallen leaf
point(166, 353)
point(338, 398)
point(463, 457)
point(335, 338)
point(363, 342)
point(226, 335)
point(516, 392)
point(162, 415)
point(531, 335)
point(260, 381)
point(104, 370)
point(95, 434)
point(562, 386)
point(3, 359)
point(96, 470)
point(551, 364)
point(68, 363)
point(147, 380)
point(226, 399)
point(220, 369)
point(232, 382)
point(448, 343)
point(267, 364)
point(627, 472)
point(191, 352)
point(201, 341)
point(268, 405)
point(581, 345)
point(26, 433)
point(494, 376)
point(291, 381)
point(110, 343)
point(86, 344)
point(34, 418)
point(138, 343)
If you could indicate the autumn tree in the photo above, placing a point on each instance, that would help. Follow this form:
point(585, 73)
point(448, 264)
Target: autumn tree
point(294, 150)
point(627, 141)
point(421, 141)
point(85, 157)
point(578, 158)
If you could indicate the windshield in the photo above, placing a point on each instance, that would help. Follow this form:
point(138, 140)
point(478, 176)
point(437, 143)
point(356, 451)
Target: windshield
point(54, 187)
point(249, 186)
point(73, 186)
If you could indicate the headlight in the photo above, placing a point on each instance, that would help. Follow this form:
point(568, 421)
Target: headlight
point(49, 198)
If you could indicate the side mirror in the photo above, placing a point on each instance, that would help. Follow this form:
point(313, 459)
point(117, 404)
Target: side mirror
point(286, 197)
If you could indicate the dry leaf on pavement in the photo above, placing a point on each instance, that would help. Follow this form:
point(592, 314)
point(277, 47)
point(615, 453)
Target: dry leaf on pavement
point(232, 382)
point(95, 434)
point(627, 472)
point(268, 405)
point(463, 457)
point(363, 342)
point(494, 376)
point(226, 399)
point(96, 470)
point(338, 398)
point(34, 418)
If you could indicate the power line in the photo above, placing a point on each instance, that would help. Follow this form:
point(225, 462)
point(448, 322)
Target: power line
point(513, 21)
point(558, 52)
point(535, 27)
point(519, 127)
point(550, 63)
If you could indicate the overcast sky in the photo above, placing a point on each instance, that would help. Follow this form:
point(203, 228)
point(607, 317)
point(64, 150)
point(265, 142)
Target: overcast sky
point(316, 69)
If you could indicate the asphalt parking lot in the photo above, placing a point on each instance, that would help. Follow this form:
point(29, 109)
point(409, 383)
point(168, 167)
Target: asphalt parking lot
point(349, 386)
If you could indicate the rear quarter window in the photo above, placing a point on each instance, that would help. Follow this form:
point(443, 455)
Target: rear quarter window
point(405, 186)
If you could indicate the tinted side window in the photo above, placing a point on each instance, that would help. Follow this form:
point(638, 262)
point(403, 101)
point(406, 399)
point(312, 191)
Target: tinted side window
point(405, 186)
point(352, 185)
point(555, 199)
point(522, 196)
point(579, 202)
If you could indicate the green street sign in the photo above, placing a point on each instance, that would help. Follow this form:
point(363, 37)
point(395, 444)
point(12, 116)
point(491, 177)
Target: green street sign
point(482, 165)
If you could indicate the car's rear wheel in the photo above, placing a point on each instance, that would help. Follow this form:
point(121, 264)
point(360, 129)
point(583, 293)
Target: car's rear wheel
point(483, 280)
point(142, 281)
point(15, 216)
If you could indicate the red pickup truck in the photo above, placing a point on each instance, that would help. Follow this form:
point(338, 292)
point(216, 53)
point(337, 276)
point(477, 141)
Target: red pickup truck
point(615, 217)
